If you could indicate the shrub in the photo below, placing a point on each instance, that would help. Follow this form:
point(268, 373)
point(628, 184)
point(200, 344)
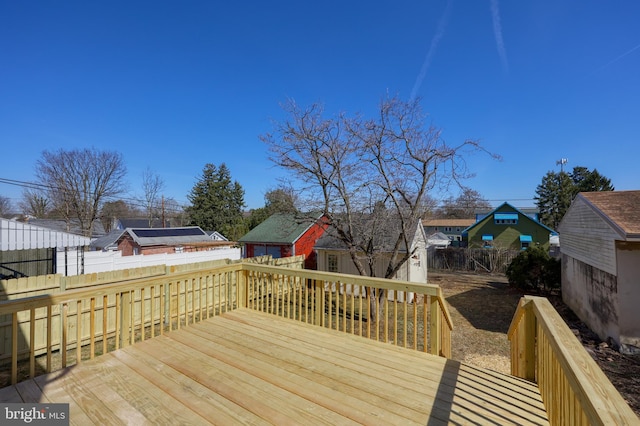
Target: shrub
point(534, 270)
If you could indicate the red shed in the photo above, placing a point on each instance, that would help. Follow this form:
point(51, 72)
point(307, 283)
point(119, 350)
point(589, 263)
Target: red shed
point(284, 235)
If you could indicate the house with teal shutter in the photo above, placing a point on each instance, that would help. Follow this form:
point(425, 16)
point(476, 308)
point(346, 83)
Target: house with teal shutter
point(507, 227)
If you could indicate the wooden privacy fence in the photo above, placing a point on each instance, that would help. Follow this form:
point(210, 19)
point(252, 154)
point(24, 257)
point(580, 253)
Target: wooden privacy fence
point(24, 263)
point(52, 331)
point(573, 387)
point(491, 260)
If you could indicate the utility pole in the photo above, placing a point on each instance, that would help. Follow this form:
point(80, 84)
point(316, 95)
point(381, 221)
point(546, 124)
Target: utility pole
point(163, 225)
point(562, 162)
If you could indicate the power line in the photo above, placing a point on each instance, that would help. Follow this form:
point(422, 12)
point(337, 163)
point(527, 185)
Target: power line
point(134, 202)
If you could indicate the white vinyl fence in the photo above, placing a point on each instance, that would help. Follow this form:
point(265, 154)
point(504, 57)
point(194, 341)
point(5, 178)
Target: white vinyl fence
point(76, 263)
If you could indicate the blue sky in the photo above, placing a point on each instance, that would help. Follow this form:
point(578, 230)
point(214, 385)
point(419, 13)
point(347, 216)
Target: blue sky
point(175, 85)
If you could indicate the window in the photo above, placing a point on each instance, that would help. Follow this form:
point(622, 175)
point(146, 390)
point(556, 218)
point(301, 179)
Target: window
point(487, 241)
point(448, 229)
point(274, 251)
point(525, 241)
point(505, 218)
point(332, 262)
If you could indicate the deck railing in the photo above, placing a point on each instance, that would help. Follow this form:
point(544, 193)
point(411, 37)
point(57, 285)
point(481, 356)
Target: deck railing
point(399, 312)
point(49, 332)
point(574, 389)
point(75, 325)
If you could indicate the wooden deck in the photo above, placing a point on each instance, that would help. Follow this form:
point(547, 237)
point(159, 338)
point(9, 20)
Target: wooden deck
point(246, 367)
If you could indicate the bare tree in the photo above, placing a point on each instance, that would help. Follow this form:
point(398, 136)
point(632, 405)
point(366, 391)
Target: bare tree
point(370, 177)
point(174, 212)
point(152, 185)
point(112, 210)
point(34, 203)
point(464, 206)
point(5, 205)
point(78, 181)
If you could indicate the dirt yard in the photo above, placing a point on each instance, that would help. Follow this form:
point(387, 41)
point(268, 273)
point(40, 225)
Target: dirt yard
point(482, 307)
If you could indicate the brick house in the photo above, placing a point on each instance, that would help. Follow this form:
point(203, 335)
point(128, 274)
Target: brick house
point(134, 241)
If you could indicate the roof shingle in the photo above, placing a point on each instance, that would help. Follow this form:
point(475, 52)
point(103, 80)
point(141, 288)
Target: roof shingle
point(622, 208)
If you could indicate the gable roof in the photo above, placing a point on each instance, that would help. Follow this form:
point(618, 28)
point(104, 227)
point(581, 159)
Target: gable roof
point(438, 236)
point(520, 212)
point(621, 209)
point(107, 241)
point(216, 236)
point(438, 239)
point(281, 228)
point(168, 236)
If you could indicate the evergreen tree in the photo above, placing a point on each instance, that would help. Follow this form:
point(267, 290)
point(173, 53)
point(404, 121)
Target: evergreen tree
point(589, 181)
point(217, 203)
point(534, 270)
point(557, 190)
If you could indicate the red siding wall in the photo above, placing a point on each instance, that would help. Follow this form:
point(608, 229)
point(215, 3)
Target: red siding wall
point(305, 244)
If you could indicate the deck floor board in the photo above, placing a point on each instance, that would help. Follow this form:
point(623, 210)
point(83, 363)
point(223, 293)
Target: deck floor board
point(247, 367)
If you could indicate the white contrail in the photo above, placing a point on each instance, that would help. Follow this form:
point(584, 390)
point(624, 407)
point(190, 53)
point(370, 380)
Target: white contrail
point(618, 58)
point(442, 23)
point(497, 32)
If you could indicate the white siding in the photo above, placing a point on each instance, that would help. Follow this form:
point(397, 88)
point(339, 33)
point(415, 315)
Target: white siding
point(414, 270)
point(587, 237)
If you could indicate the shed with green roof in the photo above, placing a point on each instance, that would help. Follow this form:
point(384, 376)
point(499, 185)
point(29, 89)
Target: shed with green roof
point(284, 235)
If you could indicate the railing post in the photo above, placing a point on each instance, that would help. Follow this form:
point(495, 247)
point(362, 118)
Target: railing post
point(523, 347)
point(319, 295)
point(242, 290)
point(445, 326)
point(125, 312)
point(435, 333)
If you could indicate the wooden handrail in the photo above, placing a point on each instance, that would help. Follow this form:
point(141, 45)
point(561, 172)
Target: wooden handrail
point(349, 295)
point(573, 387)
point(124, 312)
point(430, 289)
point(41, 301)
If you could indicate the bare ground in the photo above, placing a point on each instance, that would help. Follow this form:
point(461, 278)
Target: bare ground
point(482, 307)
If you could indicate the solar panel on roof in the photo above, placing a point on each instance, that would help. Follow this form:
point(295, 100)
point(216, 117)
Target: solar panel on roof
point(167, 232)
